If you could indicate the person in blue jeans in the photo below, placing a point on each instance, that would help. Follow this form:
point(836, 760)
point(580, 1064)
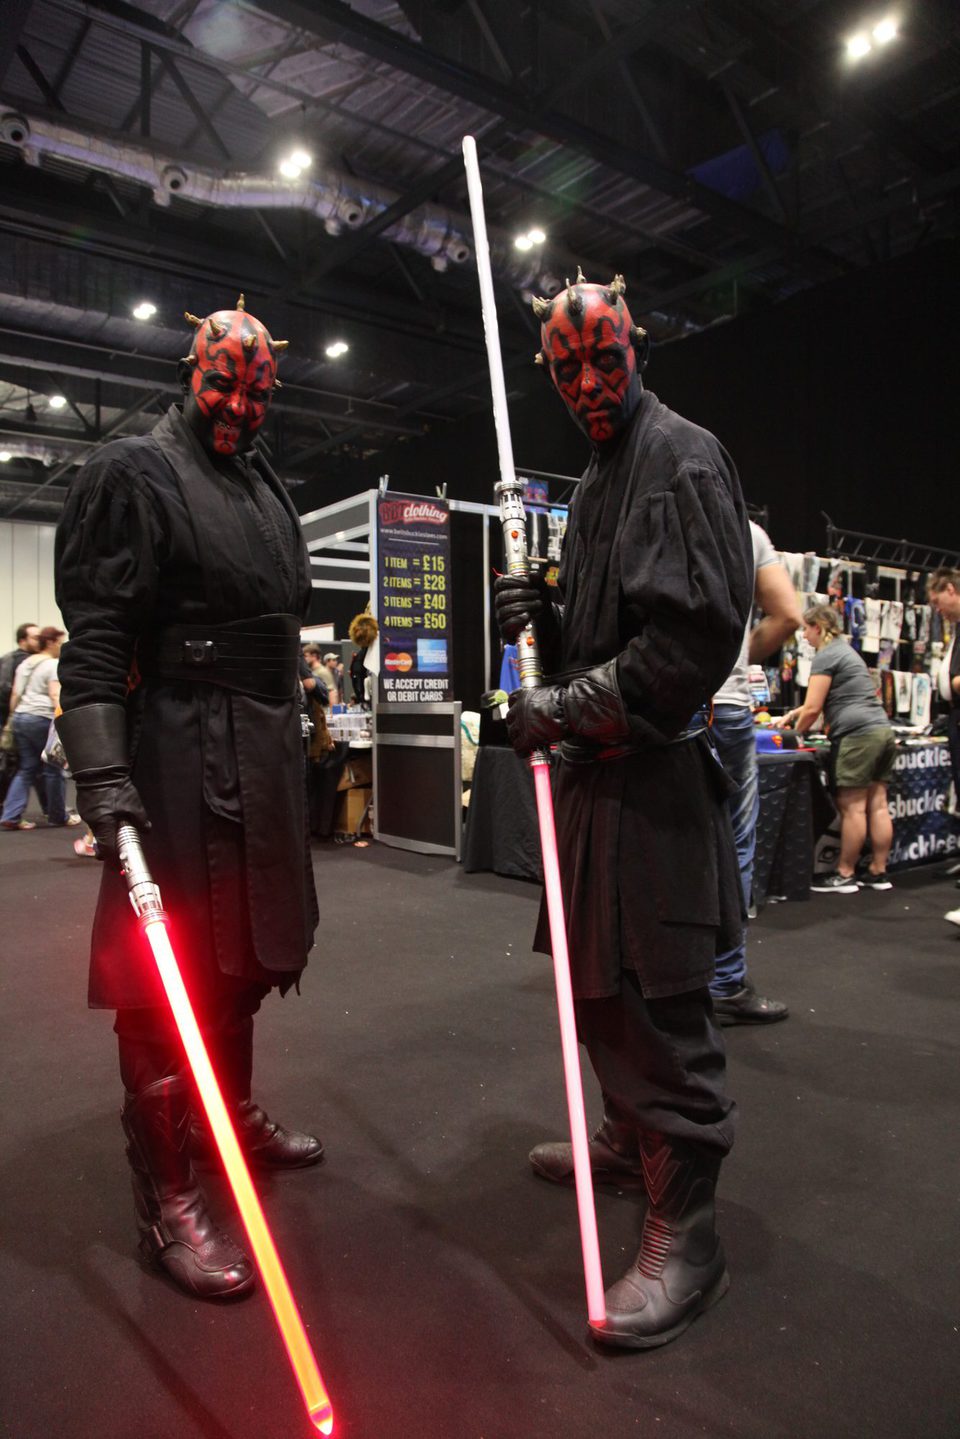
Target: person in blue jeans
point(33, 703)
point(735, 1000)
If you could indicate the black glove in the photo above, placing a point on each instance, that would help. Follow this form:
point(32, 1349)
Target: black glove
point(94, 738)
point(594, 706)
point(535, 718)
point(519, 602)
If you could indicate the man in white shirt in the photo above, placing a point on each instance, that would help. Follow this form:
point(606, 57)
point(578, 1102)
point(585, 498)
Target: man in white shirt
point(735, 1001)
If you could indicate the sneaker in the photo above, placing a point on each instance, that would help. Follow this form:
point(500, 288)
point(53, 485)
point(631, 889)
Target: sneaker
point(18, 824)
point(835, 884)
point(869, 880)
point(953, 916)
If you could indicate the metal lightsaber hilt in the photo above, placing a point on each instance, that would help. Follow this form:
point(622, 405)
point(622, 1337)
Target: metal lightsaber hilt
point(144, 893)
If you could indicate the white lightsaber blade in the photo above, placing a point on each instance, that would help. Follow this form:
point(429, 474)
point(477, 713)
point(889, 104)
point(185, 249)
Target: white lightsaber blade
point(509, 492)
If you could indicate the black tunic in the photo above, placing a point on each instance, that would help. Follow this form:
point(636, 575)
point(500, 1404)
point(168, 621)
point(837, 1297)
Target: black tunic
point(657, 572)
point(152, 535)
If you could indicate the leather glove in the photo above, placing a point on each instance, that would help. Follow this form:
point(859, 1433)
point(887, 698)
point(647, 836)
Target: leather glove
point(535, 718)
point(518, 602)
point(594, 706)
point(94, 738)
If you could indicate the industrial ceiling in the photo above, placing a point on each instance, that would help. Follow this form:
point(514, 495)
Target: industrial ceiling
point(724, 155)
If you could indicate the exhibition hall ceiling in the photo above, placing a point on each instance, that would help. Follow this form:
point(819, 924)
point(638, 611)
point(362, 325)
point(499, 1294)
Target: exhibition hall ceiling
point(723, 155)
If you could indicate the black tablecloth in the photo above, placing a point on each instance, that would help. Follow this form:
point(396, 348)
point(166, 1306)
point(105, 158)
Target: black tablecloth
point(502, 833)
point(794, 808)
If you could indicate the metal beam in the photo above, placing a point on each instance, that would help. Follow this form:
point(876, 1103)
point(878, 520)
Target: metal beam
point(336, 20)
point(15, 15)
point(49, 94)
point(776, 53)
point(200, 115)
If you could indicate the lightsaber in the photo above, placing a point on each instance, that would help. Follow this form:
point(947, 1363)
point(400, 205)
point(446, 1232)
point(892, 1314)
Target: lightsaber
point(510, 495)
point(145, 898)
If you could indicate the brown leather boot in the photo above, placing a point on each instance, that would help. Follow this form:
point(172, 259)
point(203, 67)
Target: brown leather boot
point(680, 1270)
point(177, 1234)
point(614, 1156)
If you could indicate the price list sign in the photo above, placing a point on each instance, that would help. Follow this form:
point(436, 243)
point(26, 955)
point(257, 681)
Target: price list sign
point(413, 545)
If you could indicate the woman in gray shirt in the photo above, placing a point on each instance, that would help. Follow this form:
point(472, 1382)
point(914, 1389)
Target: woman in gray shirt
point(863, 750)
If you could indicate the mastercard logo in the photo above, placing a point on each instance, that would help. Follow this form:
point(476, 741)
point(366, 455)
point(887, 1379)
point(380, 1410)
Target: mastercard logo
point(399, 663)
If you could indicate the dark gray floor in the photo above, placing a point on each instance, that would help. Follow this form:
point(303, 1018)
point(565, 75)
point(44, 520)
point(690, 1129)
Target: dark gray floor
point(440, 1281)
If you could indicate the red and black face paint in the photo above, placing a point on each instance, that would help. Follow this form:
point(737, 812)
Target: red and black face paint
point(587, 336)
point(233, 373)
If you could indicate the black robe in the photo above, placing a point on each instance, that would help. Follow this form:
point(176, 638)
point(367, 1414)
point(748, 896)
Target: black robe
point(152, 535)
point(657, 573)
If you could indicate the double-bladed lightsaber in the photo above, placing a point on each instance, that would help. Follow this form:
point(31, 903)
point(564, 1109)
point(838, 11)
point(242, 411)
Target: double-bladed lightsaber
point(145, 898)
point(510, 495)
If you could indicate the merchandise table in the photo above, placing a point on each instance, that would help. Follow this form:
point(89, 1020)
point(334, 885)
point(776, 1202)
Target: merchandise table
point(502, 832)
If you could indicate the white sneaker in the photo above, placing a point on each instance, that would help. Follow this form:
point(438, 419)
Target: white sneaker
point(953, 916)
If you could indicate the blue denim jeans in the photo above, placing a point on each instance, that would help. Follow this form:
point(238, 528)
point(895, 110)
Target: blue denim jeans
point(733, 735)
point(31, 735)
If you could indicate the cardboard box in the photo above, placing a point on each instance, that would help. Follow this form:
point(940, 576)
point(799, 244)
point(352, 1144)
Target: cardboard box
point(357, 771)
point(351, 804)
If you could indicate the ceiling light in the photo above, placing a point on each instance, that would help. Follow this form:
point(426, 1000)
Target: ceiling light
point(338, 348)
point(5, 457)
point(886, 31)
point(858, 46)
point(57, 402)
point(523, 242)
point(144, 311)
point(536, 236)
point(293, 165)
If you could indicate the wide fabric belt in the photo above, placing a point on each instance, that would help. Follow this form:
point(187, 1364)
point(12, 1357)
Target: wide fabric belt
point(582, 751)
point(258, 657)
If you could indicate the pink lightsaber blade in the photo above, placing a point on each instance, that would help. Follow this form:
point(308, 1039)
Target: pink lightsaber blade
point(145, 898)
point(510, 492)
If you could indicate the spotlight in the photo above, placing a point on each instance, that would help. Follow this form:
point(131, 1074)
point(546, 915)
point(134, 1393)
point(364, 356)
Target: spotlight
point(293, 165)
point(57, 402)
point(536, 236)
point(858, 46)
point(523, 242)
point(5, 457)
point(338, 348)
point(886, 31)
point(144, 311)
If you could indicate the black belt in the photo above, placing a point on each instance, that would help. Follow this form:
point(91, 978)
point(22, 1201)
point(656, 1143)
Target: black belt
point(258, 656)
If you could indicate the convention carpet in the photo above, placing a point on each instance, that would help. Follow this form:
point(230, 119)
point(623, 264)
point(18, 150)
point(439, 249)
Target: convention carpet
point(439, 1279)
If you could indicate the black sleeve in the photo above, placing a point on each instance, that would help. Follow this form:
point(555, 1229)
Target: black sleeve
point(108, 548)
point(688, 582)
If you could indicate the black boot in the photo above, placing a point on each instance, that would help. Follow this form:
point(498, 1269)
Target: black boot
point(263, 1142)
point(177, 1233)
point(614, 1155)
point(680, 1270)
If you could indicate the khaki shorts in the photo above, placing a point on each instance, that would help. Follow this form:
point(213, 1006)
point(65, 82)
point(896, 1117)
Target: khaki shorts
point(864, 759)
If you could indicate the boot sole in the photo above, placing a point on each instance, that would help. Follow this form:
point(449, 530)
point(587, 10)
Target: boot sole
point(654, 1341)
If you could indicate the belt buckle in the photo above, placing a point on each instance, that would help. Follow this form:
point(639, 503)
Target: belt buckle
point(199, 654)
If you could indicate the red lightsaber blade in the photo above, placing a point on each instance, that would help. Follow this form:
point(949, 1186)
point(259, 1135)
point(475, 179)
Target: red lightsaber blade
point(510, 494)
point(145, 898)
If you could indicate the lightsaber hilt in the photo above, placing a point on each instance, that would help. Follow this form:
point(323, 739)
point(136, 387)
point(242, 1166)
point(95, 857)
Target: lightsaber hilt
point(514, 525)
point(144, 893)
